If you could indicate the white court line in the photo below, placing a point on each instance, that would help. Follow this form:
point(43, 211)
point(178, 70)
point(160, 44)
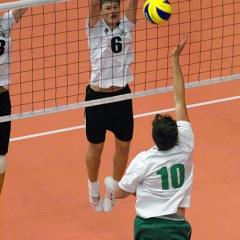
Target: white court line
point(135, 116)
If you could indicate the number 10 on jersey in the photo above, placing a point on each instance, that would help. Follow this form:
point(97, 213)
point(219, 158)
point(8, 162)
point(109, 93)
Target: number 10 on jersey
point(177, 175)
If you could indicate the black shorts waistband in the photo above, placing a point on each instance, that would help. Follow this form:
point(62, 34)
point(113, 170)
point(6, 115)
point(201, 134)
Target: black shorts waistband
point(97, 94)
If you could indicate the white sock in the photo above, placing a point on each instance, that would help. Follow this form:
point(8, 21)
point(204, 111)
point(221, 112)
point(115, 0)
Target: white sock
point(114, 184)
point(94, 187)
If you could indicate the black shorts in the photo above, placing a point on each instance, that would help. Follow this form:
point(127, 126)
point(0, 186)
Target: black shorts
point(160, 228)
point(116, 117)
point(5, 127)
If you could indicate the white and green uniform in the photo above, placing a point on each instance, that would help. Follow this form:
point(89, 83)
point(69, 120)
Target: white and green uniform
point(111, 53)
point(7, 22)
point(162, 180)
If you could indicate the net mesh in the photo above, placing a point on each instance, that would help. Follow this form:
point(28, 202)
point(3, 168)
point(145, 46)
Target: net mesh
point(50, 59)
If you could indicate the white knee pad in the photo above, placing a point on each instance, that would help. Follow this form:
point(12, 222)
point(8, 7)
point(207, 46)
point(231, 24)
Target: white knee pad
point(3, 163)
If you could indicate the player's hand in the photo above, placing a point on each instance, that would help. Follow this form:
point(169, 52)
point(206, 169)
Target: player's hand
point(178, 49)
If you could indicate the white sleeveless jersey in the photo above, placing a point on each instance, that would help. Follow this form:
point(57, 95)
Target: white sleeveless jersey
point(162, 180)
point(111, 53)
point(6, 23)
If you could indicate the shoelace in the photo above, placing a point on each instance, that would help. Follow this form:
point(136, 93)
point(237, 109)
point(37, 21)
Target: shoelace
point(94, 198)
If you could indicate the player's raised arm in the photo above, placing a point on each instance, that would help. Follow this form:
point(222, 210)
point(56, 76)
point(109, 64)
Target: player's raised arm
point(131, 10)
point(179, 88)
point(94, 12)
point(18, 13)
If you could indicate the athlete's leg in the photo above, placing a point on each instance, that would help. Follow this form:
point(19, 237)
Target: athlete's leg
point(2, 170)
point(93, 160)
point(120, 158)
point(2, 175)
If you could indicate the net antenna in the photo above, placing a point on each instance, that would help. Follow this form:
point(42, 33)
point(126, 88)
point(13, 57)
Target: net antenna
point(51, 68)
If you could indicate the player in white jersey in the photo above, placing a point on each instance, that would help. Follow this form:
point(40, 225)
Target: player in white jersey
point(161, 178)
point(7, 21)
point(111, 54)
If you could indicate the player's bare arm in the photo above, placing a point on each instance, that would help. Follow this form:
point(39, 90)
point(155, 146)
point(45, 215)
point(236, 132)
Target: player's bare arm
point(178, 82)
point(94, 12)
point(131, 10)
point(18, 13)
point(120, 193)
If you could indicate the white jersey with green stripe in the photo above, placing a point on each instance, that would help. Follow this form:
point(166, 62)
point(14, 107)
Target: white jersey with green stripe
point(6, 24)
point(162, 180)
point(111, 53)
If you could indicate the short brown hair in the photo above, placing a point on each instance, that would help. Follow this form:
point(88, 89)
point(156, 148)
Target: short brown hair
point(164, 131)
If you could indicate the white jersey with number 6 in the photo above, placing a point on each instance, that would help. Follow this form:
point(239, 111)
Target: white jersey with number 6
point(6, 24)
point(111, 53)
point(162, 180)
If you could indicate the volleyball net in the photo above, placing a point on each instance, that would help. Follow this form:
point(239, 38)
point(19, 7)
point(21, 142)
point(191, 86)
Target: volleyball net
point(50, 56)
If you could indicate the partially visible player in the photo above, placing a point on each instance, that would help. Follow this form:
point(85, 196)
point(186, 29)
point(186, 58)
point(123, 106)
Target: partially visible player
point(161, 178)
point(7, 21)
point(111, 54)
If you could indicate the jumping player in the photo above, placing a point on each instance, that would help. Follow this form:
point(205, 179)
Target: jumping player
point(111, 54)
point(161, 178)
point(7, 21)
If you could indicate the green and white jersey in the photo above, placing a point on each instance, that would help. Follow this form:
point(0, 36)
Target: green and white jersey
point(162, 180)
point(6, 24)
point(111, 53)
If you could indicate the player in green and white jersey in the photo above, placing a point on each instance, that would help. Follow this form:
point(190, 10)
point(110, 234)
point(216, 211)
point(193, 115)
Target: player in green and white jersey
point(161, 178)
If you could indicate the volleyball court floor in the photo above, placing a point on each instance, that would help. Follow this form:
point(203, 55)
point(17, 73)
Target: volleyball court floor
point(45, 195)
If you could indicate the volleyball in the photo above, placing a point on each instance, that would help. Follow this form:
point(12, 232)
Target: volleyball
point(157, 11)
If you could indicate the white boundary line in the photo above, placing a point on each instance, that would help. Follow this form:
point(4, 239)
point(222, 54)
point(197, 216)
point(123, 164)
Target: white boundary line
point(135, 116)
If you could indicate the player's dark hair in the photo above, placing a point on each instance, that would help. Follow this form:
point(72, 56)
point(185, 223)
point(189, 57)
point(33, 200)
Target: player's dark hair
point(104, 1)
point(164, 132)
